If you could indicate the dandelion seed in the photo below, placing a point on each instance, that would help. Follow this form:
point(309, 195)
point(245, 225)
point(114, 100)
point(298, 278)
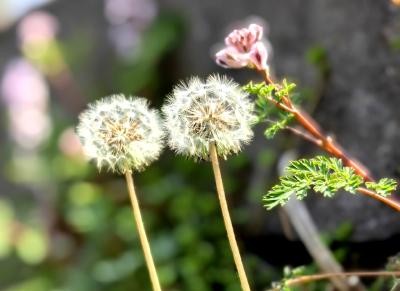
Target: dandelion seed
point(121, 134)
point(216, 111)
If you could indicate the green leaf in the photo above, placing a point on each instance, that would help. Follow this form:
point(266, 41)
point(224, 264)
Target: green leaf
point(322, 174)
point(263, 106)
point(276, 126)
point(268, 111)
point(284, 89)
point(384, 187)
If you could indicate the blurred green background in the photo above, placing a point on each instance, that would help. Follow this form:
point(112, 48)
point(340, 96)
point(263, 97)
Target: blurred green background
point(63, 225)
point(66, 227)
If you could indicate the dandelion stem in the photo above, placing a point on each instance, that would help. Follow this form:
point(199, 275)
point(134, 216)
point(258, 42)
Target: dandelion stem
point(142, 233)
point(227, 219)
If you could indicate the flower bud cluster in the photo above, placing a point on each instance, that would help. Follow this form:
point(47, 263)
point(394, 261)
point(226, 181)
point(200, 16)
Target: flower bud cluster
point(244, 48)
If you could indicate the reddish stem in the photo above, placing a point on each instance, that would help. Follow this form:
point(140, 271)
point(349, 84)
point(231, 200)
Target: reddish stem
point(304, 135)
point(329, 145)
point(390, 202)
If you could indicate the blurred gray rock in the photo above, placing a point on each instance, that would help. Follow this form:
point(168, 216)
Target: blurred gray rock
point(359, 103)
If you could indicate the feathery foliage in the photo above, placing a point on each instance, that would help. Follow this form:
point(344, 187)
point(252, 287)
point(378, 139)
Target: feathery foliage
point(383, 187)
point(277, 125)
point(288, 274)
point(321, 174)
point(277, 118)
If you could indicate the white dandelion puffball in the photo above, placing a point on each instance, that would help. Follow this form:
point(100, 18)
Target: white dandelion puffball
point(198, 113)
point(121, 134)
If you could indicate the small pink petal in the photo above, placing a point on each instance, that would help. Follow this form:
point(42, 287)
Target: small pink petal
point(230, 58)
point(256, 32)
point(259, 56)
point(243, 39)
point(244, 48)
point(232, 38)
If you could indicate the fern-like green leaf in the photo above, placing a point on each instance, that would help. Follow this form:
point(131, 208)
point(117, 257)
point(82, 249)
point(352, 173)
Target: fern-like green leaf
point(276, 126)
point(321, 174)
point(267, 111)
point(383, 187)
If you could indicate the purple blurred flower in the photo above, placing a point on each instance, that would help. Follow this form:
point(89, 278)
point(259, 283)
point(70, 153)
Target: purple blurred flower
point(138, 12)
point(24, 86)
point(124, 38)
point(128, 19)
point(244, 48)
point(37, 27)
point(25, 93)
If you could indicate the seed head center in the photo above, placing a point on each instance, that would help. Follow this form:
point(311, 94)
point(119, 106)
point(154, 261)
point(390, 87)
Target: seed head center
point(206, 119)
point(118, 134)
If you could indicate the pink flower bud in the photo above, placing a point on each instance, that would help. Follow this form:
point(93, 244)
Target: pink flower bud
point(259, 56)
point(244, 38)
point(230, 57)
point(244, 48)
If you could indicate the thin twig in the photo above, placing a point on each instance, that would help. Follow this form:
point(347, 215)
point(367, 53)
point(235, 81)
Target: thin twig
point(280, 105)
point(392, 203)
point(298, 132)
point(304, 135)
point(311, 278)
point(142, 233)
point(315, 130)
point(329, 145)
point(227, 219)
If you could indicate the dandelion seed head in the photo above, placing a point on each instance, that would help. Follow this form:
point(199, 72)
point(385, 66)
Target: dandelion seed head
point(198, 113)
point(121, 134)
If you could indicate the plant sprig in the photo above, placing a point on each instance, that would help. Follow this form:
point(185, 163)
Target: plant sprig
point(383, 187)
point(303, 275)
point(277, 125)
point(322, 175)
point(277, 117)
